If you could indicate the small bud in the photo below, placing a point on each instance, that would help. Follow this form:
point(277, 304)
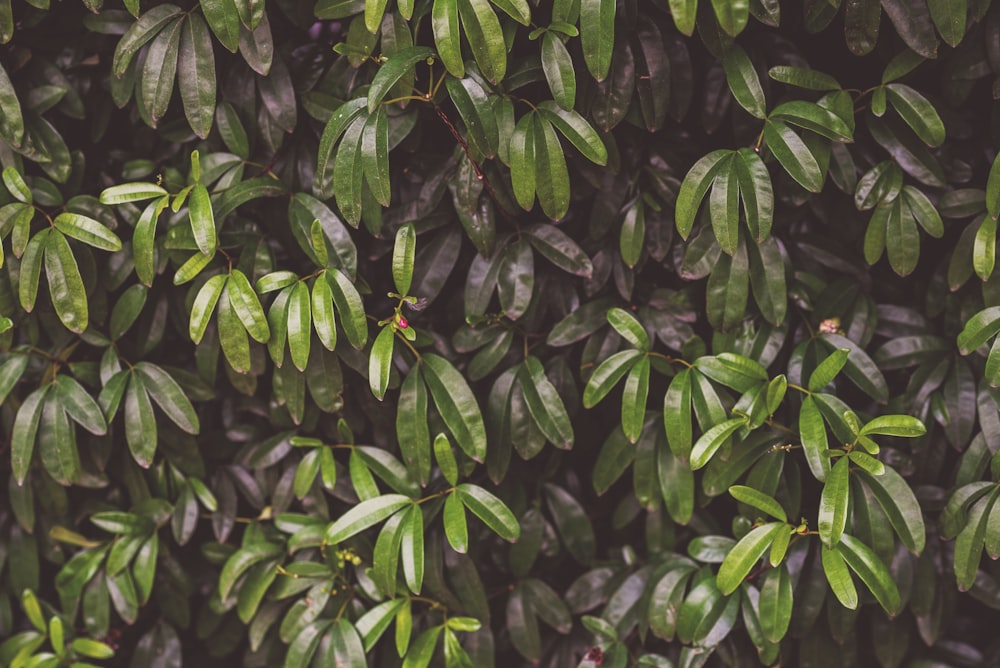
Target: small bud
point(401, 321)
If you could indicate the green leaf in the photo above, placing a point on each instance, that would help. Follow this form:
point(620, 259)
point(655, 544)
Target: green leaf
point(22, 438)
point(395, 68)
point(833, 503)
point(634, 399)
point(863, 561)
point(551, 174)
point(224, 20)
point(607, 375)
point(970, 541)
point(803, 78)
point(724, 210)
point(712, 440)
point(629, 328)
point(196, 75)
point(545, 404)
point(813, 117)
point(365, 514)
point(375, 621)
point(247, 306)
point(69, 296)
point(839, 577)
point(380, 362)
point(757, 194)
point(375, 155)
point(794, 155)
point(374, 9)
point(917, 112)
point(677, 415)
point(348, 171)
point(559, 249)
point(476, 110)
point(447, 36)
point(812, 433)
point(169, 396)
point(11, 117)
point(949, 17)
point(827, 370)
point(157, 84)
point(79, 405)
point(350, 307)
point(16, 185)
point(485, 38)
point(491, 510)
point(522, 161)
point(577, 130)
point(411, 425)
point(146, 28)
point(744, 556)
point(87, 230)
point(695, 186)
point(322, 313)
point(984, 248)
point(732, 15)
point(633, 233)
point(457, 405)
point(412, 548)
point(759, 500)
point(343, 117)
point(140, 423)
point(202, 219)
point(558, 68)
point(742, 77)
point(894, 425)
point(421, 651)
point(979, 329)
point(684, 15)
point(455, 527)
point(204, 306)
point(402, 258)
point(900, 505)
point(776, 603)
point(299, 324)
point(860, 368)
point(597, 35)
point(233, 336)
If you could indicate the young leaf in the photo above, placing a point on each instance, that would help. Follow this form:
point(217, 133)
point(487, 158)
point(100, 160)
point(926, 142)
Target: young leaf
point(491, 510)
point(365, 514)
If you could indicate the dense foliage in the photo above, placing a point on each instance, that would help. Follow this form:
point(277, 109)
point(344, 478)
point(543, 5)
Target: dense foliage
point(489, 333)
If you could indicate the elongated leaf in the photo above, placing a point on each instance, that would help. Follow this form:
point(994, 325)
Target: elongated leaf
point(742, 78)
point(677, 415)
point(365, 514)
point(629, 328)
point(140, 423)
point(558, 68)
point(79, 405)
point(634, 399)
point(69, 296)
point(545, 404)
point(833, 503)
point(491, 510)
point(744, 556)
point(839, 578)
point(551, 174)
point(299, 325)
point(196, 75)
point(412, 549)
point(694, 188)
point(712, 440)
point(22, 439)
point(380, 362)
point(485, 37)
point(247, 306)
point(812, 432)
point(597, 35)
point(455, 527)
point(979, 329)
point(339, 121)
point(375, 155)
point(402, 258)
point(577, 130)
point(759, 500)
point(447, 36)
point(863, 561)
point(607, 375)
point(900, 505)
point(918, 113)
point(169, 396)
point(457, 405)
point(87, 230)
point(349, 307)
point(794, 155)
point(395, 68)
point(146, 28)
point(204, 306)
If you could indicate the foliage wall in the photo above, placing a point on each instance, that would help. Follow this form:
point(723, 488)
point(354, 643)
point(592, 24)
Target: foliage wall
point(499, 333)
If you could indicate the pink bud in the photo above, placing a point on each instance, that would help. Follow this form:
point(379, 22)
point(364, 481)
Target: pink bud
point(402, 323)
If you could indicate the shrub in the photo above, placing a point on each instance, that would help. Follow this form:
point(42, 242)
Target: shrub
point(474, 333)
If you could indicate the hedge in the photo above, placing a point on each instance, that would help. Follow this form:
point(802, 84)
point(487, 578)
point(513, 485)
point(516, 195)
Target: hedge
point(499, 333)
